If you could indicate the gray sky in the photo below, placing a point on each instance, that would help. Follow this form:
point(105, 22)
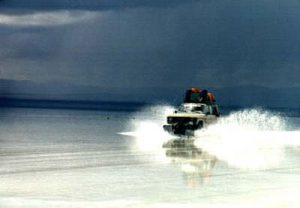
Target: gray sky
point(137, 44)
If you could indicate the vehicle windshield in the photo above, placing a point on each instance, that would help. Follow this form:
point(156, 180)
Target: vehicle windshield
point(182, 108)
point(197, 109)
point(185, 108)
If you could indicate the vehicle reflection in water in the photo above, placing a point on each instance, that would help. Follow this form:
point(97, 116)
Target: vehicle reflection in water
point(195, 164)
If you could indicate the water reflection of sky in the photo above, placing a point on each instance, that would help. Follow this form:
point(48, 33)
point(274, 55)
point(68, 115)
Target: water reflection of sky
point(76, 159)
point(196, 165)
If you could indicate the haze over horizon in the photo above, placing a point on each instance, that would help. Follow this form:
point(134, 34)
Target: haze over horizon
point(247, 51)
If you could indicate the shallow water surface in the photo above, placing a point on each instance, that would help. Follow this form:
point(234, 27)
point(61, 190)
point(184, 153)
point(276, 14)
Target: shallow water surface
point(69, 158)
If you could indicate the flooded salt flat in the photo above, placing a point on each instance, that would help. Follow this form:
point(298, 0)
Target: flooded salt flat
point(64, 158)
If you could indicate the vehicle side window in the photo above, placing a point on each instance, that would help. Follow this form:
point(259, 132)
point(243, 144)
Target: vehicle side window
point(210, 110)
point(206, 109)
point(198, 108)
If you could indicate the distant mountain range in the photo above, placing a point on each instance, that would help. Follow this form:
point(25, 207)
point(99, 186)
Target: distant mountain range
point(259, 96)
point(244, 96)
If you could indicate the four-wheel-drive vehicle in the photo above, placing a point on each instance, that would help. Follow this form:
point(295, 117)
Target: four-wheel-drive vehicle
point(198, 110)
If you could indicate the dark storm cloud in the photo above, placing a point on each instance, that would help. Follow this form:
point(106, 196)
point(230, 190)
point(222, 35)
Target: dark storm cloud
point(153, 44)
point(93, 5)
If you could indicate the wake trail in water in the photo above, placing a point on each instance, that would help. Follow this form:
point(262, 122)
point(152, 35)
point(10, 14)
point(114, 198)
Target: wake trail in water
point(250, 138)
point(146, 127)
